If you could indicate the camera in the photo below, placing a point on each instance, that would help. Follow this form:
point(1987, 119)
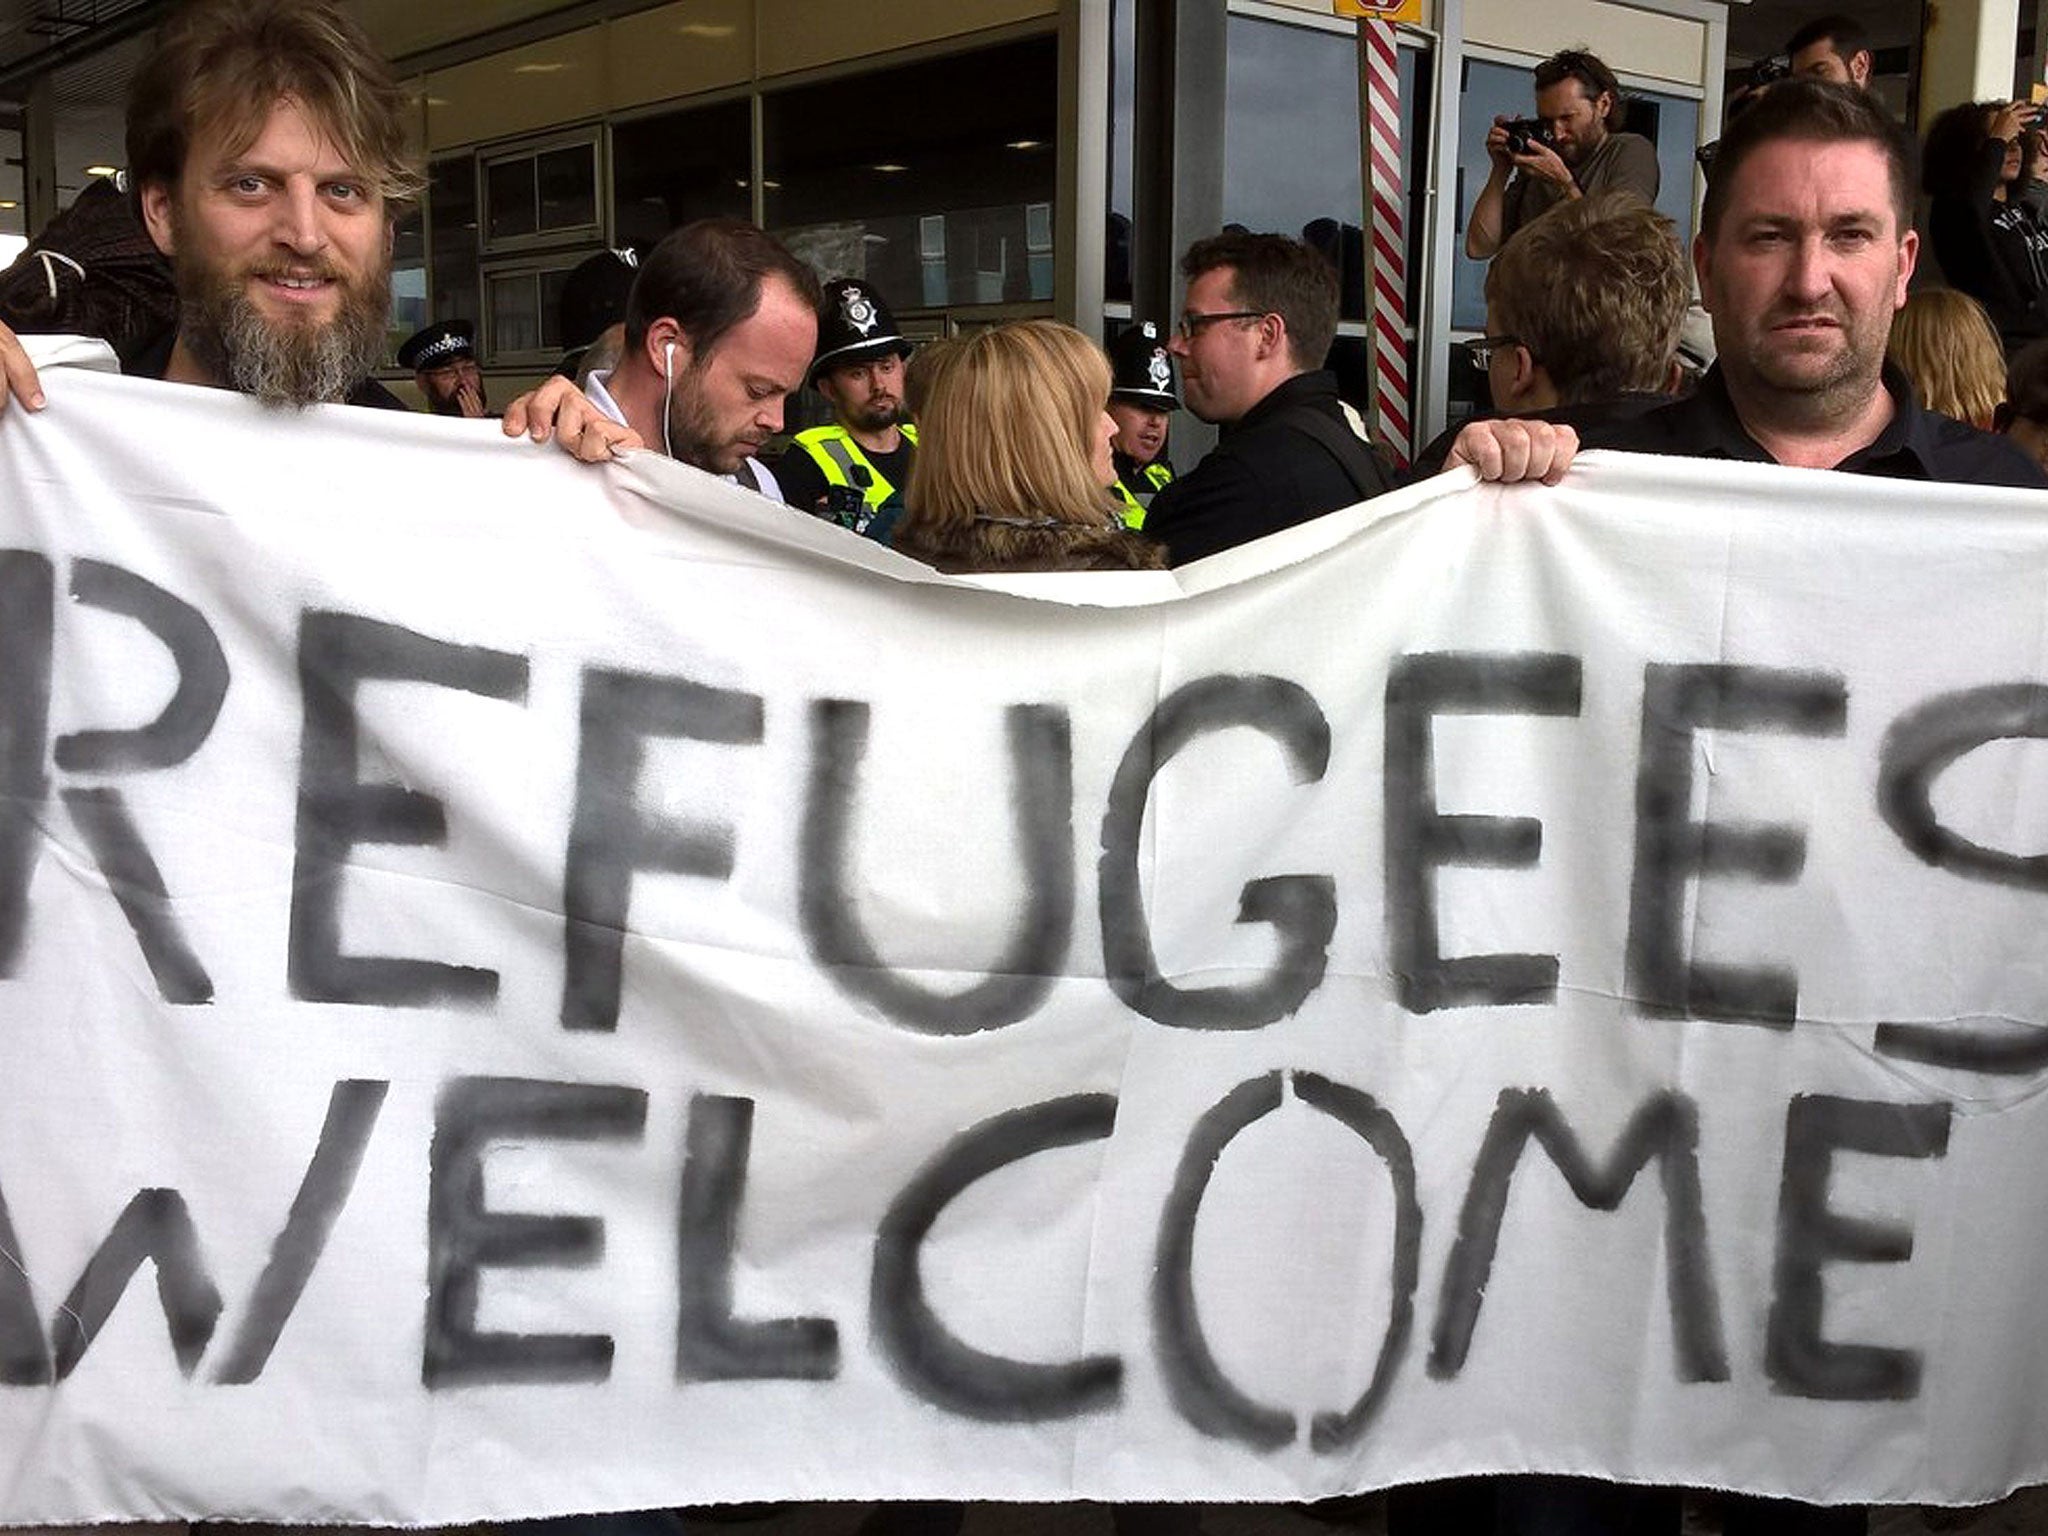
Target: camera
point(1769, 71)
point(1524, 133)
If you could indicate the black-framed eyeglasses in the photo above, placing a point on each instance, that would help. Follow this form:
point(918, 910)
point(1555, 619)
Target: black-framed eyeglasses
point(1481, 349)
point(1191, 323)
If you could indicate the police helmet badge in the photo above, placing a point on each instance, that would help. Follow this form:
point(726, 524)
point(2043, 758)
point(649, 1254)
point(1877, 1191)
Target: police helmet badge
point(859, 313)
point(1160, 370)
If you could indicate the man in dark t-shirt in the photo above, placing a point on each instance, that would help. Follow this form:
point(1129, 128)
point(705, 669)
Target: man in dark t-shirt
point(1579, 152)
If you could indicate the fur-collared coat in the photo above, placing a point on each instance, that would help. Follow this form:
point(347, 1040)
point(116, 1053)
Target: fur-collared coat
point(1035, 544)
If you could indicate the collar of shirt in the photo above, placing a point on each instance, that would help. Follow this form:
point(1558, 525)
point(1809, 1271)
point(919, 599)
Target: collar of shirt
point(1916, 444)
point(1317, 386)
point(763, 478)
point(601, 397)
point(1707, 425)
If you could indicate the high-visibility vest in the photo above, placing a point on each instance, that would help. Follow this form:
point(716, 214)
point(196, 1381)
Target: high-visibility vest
point(836, 454)
point(1158, 475)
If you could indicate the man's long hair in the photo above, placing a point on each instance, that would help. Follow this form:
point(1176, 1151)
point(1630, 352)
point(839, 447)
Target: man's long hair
point(1594, 78)
point(222, 65)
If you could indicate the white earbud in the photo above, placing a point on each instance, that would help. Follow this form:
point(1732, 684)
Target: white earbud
point(668, 361)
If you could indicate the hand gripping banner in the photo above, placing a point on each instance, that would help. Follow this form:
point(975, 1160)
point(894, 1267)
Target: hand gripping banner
point(527, 989)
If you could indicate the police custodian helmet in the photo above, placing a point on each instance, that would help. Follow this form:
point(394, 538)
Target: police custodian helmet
point(436, 345)
point(854, 326)
point(1141, 369)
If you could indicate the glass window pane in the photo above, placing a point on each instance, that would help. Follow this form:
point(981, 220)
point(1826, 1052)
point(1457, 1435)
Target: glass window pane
point(451, 211)
point(568, 187)
point(1290, 141)
point(551, 284)
point(1123, 89)
point(408, 277)
point(515, 313)
point(510, 196)
point(1672, 123)
point(922, 179)
point(680, 166)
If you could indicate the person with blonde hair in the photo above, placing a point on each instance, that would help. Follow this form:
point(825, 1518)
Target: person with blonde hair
point(1013, 465)
point(1944, 342)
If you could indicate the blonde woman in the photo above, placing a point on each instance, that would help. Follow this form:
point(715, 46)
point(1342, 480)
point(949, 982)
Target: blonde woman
point(1944, 342)
point(1013, 463)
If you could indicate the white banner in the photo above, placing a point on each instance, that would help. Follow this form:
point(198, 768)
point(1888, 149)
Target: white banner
point(532, 990)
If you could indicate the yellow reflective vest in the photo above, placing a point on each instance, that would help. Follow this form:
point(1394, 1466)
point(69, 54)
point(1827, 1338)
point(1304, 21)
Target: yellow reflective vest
point(1157, 475)
point(836, 453)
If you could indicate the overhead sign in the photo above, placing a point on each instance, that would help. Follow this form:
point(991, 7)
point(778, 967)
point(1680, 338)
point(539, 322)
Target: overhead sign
point(1380, 10)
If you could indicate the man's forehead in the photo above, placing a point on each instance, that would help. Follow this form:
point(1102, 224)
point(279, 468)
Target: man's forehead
point(1564, 94)
point(244, 133)
point(1801, 181)
point(777, 339)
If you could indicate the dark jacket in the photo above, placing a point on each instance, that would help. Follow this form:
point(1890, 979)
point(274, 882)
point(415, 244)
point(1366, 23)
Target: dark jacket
point(1992, 251)
point(1013, 544)
point(1267, 473)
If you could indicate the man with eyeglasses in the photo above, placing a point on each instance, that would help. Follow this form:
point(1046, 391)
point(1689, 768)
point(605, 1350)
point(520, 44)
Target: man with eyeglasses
point(1259, 317)
point(1583, 312)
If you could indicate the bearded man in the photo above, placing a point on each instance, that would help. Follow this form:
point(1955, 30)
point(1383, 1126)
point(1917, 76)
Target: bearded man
point(266, 146)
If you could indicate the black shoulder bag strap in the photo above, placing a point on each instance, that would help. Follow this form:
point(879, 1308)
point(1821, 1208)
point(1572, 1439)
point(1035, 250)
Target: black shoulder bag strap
point(1343, 445)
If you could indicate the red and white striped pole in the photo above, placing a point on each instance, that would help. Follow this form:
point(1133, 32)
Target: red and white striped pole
point(1387, 248)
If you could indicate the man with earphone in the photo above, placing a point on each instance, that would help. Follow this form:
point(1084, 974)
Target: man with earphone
point(720, 327)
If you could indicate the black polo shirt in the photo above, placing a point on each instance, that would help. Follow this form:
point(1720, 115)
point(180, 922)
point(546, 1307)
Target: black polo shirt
point(1915, 444)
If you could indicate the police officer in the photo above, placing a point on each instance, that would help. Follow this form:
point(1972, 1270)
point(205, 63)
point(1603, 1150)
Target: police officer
point(1141, 398)
point(442, 357)
point(864, 457)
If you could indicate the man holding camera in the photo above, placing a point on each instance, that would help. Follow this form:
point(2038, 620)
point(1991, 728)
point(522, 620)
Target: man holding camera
point(1569, 150)
point(1832, 48)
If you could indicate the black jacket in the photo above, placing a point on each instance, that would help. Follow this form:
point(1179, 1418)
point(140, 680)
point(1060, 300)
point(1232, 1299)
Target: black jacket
point(1267, 473)
point(1992, 251)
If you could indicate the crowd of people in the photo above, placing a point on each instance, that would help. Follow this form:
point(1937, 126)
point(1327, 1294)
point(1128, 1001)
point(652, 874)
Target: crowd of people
point(266, 156)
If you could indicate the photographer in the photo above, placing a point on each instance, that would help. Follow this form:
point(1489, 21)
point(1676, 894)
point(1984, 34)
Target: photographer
point(1985, 236)
point(1832, 48)
point(1569, 150)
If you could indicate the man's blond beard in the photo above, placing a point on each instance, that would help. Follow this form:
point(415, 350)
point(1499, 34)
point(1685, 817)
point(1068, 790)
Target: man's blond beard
point(281, 363)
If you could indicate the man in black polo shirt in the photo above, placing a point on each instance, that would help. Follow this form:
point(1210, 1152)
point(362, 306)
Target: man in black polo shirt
point(1803, 256)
